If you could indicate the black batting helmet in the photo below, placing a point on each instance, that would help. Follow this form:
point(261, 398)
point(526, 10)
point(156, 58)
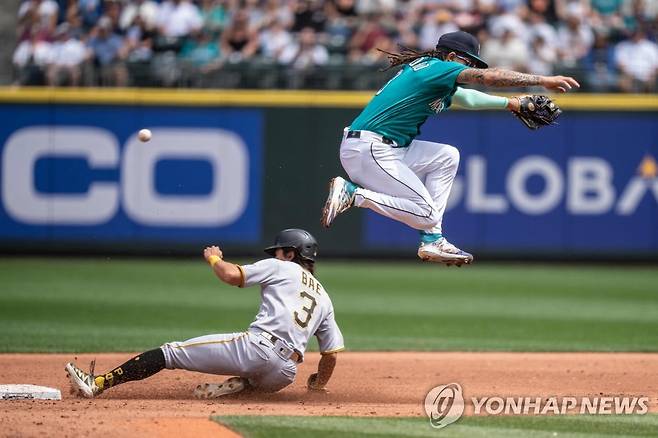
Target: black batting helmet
point(300, 240)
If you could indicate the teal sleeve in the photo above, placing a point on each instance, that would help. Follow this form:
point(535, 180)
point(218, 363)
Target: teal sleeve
point(474, 100)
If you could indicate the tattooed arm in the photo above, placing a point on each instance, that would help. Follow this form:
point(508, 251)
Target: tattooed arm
point(496, 77)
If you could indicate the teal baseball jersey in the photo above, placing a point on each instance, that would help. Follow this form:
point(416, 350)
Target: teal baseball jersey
point(420, 89)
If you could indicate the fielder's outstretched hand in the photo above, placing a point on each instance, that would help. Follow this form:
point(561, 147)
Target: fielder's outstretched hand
point(559, 83)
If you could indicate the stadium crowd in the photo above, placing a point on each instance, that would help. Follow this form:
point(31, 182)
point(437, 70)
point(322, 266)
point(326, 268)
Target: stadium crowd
point(610, 45)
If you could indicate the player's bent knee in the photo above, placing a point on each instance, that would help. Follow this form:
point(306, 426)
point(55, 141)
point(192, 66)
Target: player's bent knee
point(452, 154)
point(274, 380)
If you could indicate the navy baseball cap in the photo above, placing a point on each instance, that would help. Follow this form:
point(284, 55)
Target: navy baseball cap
point(464, 43)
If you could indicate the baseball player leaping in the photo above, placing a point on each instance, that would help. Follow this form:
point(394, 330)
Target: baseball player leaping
point(409, 180)
point(294, 307)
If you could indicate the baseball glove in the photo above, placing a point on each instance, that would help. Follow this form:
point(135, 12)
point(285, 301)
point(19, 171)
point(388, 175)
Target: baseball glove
point(536, 111)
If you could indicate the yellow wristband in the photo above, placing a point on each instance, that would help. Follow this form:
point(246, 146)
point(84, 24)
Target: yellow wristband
point(213, 259)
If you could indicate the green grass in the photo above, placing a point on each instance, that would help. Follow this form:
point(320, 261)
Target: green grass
point(503, 426)
point(80, 305)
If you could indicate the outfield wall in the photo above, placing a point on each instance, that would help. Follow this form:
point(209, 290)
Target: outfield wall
point(233, 167)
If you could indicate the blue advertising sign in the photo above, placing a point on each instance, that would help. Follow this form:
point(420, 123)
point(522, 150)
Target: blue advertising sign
point(79, 172)
point(586, 186)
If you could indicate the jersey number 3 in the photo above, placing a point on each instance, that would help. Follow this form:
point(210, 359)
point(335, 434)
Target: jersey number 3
point(308, 311)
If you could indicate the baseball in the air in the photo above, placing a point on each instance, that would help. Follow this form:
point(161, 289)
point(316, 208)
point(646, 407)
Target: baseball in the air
point(144, 134)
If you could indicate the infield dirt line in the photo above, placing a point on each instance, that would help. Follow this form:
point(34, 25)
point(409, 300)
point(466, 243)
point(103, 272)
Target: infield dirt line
point(364, 384)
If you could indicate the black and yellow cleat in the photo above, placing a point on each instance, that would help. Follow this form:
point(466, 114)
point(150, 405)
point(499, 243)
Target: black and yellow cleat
point(82, 384)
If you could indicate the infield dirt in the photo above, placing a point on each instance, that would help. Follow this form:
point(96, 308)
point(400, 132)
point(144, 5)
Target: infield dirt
point(364, 384)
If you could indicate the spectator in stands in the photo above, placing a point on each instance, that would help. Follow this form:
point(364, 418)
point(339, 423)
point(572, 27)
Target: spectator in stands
point(537, 26)
point(215, 15)
point(575, 38)
point(600, 65)
point(606, 17)
point(508, 51)
point(435, 24)
point(74, 20)
point(542, 57)
point(365, 7)
point(67, 56)
point(31, 58)
point(344, 8)
point(637, 60)
point(239, 42)
point(255, 14)
point(106, 48)
point(308, 13)
point(112, 9)
point(544, 8)
point(306, 53)
point(472, 15)
point(498, 24)
point(405, 34)
point(146, 10)
point(278, 10)
point(510, 6)
point(91, 11)
point(377, 53)
point(274, 39)
point(341, 20)
point(201, 51)
point(138, 45)
point(606, 8)
point(641, 13)
point(567, 8)
point(45, 11)
point(367, 36)
point(179, 18)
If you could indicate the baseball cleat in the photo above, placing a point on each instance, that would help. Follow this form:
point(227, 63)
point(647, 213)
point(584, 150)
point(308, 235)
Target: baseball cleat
point(82, 383)
point(215, 390)
point(341, 197)
point(444, 252)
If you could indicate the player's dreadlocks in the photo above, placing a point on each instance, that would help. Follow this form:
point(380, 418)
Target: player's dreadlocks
point(408, 55)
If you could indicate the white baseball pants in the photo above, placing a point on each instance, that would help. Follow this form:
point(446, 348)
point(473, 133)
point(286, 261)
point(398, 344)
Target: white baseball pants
point(245, 354)
point(410, 185)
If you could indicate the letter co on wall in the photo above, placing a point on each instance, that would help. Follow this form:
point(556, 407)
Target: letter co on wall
point(186, 183)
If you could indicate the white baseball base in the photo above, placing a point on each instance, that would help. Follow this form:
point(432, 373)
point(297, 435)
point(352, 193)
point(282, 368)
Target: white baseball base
point(29, 392)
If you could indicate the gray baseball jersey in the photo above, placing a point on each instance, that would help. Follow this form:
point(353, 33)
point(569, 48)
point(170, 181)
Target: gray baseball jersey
point(294, 307)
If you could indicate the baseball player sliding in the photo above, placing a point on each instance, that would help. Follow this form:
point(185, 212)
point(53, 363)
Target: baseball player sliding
point(294, 306)
point(410, 180)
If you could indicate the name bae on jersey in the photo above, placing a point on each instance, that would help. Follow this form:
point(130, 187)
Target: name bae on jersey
point(311, 283)
point(304, 317)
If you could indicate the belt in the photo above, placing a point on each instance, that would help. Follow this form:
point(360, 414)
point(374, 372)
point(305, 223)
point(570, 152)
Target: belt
point(295, 356)
point(384, 139)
